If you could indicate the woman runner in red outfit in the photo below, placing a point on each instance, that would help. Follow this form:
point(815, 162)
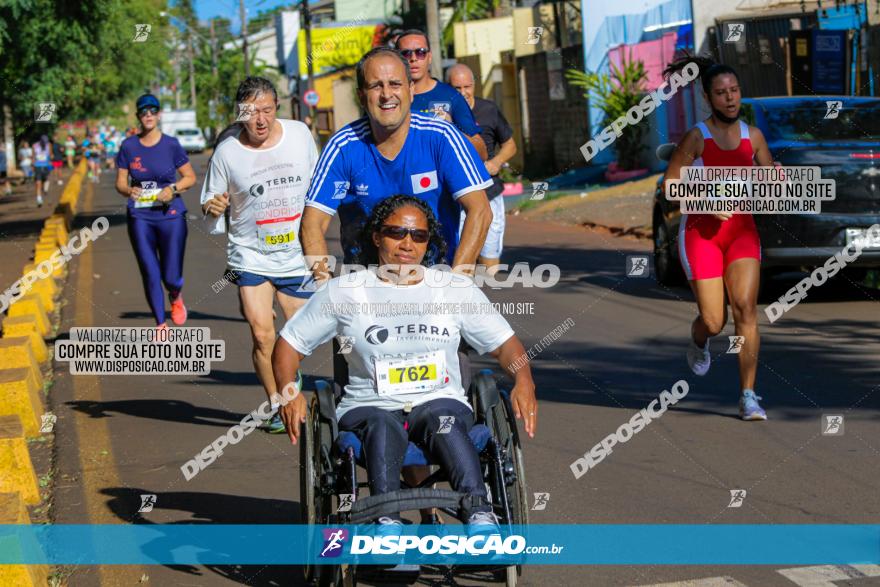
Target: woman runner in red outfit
point(721, 253)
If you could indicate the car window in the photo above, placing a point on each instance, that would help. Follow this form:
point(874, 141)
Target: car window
point(818, 121)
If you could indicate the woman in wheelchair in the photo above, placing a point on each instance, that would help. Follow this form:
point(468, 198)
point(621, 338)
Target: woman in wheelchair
point(404, 379)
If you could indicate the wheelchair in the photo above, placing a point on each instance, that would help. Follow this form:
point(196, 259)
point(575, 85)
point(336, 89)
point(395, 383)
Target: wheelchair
point(330, 490)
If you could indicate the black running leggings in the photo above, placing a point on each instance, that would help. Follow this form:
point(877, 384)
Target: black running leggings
point(385, 441)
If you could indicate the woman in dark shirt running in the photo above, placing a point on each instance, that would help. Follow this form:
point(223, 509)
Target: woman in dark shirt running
point(146, 173)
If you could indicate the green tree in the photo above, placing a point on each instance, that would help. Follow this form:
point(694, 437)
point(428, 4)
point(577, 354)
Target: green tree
point(79, 55)
point(614, 95)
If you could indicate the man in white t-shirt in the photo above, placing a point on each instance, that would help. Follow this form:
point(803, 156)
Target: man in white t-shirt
point(261, 173)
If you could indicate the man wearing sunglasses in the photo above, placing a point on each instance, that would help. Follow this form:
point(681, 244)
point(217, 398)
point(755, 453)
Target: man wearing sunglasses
point(393, 151)
point(433, 97)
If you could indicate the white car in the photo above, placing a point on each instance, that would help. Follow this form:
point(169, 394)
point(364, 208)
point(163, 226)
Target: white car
point(191, 139)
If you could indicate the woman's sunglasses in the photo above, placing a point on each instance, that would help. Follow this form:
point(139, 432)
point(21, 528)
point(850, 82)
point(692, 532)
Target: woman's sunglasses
point(151, 109)
point(398, 233)
point(420, 53)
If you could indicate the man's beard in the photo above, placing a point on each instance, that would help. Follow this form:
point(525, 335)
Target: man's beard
point(723, 117)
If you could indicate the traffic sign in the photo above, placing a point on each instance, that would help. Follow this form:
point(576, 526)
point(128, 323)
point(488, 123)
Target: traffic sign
point(311, 98)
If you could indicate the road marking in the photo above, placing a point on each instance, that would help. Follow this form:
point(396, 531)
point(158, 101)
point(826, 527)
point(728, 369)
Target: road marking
point(825, 575)
point(97, 465)
point(707, 582)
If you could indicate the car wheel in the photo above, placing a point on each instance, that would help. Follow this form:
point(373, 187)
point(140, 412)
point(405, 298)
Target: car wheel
point(666, 266)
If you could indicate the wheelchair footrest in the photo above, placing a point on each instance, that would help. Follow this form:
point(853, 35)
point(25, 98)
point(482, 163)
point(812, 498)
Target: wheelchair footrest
point(373, 507)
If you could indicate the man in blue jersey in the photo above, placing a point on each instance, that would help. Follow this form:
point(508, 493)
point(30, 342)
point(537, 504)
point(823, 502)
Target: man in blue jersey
point(392, 151)
point(431, 96)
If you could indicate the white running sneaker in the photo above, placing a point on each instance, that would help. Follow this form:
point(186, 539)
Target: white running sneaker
point(698, 358)
point(483, 522)
point(39, 201)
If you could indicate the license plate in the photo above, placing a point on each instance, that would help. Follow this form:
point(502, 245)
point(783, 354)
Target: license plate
point(860, 237)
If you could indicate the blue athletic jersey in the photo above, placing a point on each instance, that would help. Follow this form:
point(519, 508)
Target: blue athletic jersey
point(445, 97)
point(153, 168)
point(437, 164)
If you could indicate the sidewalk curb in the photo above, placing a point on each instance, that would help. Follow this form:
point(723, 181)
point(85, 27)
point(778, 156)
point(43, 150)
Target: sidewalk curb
point(15, 462)
point(13, 511)
point(22, 351)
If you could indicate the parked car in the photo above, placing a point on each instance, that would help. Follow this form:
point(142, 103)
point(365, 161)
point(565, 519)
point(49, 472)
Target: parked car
point(798, 132)
point(191, 139)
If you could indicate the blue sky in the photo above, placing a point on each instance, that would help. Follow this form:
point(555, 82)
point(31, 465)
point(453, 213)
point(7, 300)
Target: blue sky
point(205, 9)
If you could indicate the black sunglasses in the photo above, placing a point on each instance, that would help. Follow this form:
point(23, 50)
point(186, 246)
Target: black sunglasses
point(420, 53)
point(398, 233)
point(151, 109)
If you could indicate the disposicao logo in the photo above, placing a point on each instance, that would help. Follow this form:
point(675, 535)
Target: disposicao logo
point(334, 539)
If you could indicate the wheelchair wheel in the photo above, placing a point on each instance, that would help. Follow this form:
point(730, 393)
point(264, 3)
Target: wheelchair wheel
point(502, 422)
point(314, 447)
point(503, 426)
point(506, 432)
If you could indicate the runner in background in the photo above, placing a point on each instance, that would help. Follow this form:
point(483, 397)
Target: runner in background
point(109, 148)
point(70, 150)
point(432, 97)
point(260, 172)
point(42, 167)
point(3, 173)
point(721, 253)
point(146, 174)
point(26, 160)
point(58, 160)
point(92, 152)
point(496, 133)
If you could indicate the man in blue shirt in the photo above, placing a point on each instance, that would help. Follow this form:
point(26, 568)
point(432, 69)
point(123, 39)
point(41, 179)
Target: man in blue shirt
point(393, 151)
point(433, 97)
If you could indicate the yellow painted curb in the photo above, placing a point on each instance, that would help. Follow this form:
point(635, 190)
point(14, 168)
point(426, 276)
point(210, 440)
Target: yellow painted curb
point(31, 305)
point(41, 256)
point(21, 398)
point(29, 331)
point(13, 511)
point(19, 326)
point(16, 353)
point(15, 462)
point(45, 293)
point(48, 284)
point(31, 267)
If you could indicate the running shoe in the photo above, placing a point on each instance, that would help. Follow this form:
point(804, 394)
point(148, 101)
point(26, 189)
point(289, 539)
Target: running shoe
point(698, 358)
point(60, 182)
point(749, 409)
point(178, 310)
point(483, 523)
point(389, 521)
point(275, 425)
point(39, 201)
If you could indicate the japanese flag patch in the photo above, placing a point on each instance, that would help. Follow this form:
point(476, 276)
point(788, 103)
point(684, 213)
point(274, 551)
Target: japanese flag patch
point(424, 182)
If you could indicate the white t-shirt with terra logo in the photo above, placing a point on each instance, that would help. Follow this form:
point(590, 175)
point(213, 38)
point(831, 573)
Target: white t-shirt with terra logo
point(267, 189)
point(404, 339)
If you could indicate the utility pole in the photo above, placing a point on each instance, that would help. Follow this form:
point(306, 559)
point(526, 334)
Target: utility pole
point(176, 74)
point(432, 11)
point(310, 66)
point(213, 52)
point(244, 42)
point(192, 70)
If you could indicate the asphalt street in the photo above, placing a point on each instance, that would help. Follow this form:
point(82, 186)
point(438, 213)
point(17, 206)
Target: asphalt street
point(119, 437)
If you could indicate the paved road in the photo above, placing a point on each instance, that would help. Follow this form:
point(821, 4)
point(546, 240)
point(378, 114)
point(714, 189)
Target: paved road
point(120, 437)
